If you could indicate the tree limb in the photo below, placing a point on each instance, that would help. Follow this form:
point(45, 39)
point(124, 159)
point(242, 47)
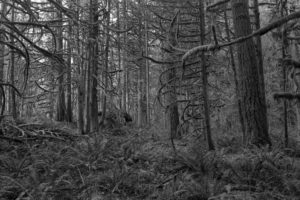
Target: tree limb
point(259, 32)
point(212, 6)
point(285, 95)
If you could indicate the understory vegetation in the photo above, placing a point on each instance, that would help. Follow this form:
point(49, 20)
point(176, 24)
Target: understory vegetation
point(40, 160)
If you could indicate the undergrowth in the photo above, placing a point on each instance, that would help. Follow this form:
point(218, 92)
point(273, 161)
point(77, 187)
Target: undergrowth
point(126, 163)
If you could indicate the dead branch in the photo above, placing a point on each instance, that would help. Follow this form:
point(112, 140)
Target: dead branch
point(285, 95)
point(260, 32)
point(212, 6)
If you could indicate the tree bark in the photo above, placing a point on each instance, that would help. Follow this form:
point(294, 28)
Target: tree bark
point(235, 77)
point(2, 54)
point(125, 73)
point(147, 66)
point(69, 70)
point(60, 104)
point(120, 96)
point(80, 80)
point(93, 65)
point(172, 96)
point(204, 78)
point(142, 100)
point(283, 52)
point(12, 101)
point(253, 106)
point(295, 53)
point(259, 48)
point(107, 44)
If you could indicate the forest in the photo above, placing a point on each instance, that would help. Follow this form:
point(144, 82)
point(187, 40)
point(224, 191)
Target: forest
point(149, 99)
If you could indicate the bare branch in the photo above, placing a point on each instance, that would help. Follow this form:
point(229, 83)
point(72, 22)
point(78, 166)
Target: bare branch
point(262, 31)
point(285, 95)
point(212, 6)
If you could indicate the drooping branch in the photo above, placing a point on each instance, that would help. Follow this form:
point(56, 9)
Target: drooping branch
point(12, 86)
point(219, 3)
point(285, 95)
point(118, 30)
point(260, 32)
point(160, 61)
point(43, 51)
point(45, 90)
point(24, 53)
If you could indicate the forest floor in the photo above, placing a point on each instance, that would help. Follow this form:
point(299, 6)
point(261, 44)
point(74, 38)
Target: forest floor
point(49, 161)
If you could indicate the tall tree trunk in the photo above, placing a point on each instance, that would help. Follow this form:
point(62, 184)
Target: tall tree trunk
point(60, 104)
point(283, 52)
point(107, 43)
point(204, 79)
point(259, 49)
point(260, 56)
point(147, 66)
point(172, 95)
point(93, 65)
point(87, 87)
point(125, 74)
point(69, 63)
point(80, 81)
point(295, 53)
point(120, 96)
point(253, 107)
point(235, 77)
point(2, 55)
point(142, 102)
point(12, 101)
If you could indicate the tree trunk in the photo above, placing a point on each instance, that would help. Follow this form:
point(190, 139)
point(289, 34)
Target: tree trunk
point(295, 53)
point(204, 79)
point(60, 104)
point(260, 56)
point(120, 96)
point(107, 43)
point(69, 75)
point(142, 101)
point(235, 77)
point(253, 106)
point(2, 55)
point(172, 96)
point(259, 49)
point(87, 92)
point(80, 80)
point(93, 65)
point(284, 52)
point(12, 101)
point(147, 66)
point(125, 73)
